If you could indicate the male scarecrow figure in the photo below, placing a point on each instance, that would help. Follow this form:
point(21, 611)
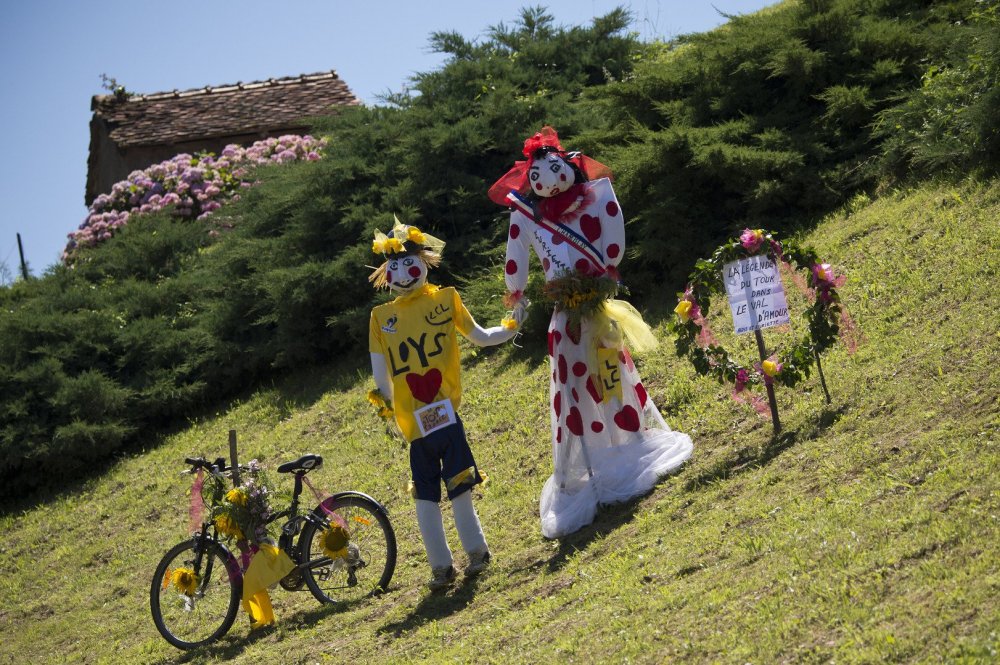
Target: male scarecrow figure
point(415, 362)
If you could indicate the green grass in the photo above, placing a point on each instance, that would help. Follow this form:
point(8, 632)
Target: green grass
point(867, 531)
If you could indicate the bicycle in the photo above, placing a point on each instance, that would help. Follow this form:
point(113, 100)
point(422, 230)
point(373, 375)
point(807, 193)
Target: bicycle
point(200, 605)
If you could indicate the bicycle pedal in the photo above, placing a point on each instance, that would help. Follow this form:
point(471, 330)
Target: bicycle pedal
point(293, 581)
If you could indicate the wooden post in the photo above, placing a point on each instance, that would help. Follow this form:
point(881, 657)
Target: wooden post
point(234, 458)
point(24, 266)
point(822, 379)
point(768, 383)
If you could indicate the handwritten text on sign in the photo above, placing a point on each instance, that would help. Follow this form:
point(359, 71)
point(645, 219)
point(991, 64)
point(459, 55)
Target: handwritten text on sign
point(756, 296)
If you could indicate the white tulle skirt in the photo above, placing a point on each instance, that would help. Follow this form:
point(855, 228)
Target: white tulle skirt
point(609, 443)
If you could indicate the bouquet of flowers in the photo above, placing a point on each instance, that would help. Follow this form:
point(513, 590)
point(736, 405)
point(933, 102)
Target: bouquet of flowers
point(581, 295)
point(242, 512)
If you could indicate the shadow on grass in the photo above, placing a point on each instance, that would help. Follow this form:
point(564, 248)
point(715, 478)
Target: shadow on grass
point(609, 519)
point(229, 647)
point(435, 606)
point(755, 457)
point(233, 644)
point(745, 459)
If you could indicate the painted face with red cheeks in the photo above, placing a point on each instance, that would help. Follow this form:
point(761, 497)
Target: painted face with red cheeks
point(406, 274)
point(550, 175)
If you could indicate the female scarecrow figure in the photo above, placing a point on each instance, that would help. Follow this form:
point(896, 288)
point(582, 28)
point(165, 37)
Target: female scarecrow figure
point(415, 362)
point(609, 441)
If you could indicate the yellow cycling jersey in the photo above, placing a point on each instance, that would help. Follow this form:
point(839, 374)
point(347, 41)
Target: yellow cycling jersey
point(416, 334)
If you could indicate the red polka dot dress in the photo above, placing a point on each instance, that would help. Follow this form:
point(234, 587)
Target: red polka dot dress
point(609, 441)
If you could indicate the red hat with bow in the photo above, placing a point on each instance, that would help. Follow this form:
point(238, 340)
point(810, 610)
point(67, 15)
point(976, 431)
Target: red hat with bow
point(548, 141)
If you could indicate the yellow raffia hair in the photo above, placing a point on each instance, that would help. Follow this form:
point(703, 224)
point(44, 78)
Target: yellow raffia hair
point(429, 251)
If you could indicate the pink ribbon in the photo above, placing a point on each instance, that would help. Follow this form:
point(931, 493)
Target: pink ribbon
point(197, 509)
point(324, 498)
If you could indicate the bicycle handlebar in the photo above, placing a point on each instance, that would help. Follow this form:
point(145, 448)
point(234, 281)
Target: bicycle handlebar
point(218, 466)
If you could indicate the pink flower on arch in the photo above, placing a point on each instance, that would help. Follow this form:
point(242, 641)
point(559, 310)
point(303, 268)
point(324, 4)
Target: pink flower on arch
point(752, 239)
point(742, 378)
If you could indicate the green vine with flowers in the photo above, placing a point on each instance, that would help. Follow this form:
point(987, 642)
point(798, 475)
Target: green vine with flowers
point(787, 366)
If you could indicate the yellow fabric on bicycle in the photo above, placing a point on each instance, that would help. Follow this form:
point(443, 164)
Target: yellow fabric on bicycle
point(259, 608)
point(266, 567)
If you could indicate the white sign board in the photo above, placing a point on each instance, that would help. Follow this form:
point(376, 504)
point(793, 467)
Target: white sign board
point(756, 296)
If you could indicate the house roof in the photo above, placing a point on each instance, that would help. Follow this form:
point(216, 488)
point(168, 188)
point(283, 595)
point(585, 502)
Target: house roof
point(242, 108)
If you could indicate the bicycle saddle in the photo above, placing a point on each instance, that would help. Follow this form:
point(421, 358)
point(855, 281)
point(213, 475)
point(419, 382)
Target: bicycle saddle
point(304, 463)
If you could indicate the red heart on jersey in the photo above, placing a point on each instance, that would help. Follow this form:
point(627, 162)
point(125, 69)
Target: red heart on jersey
point(628, 419)
point(425, 386)
point(591, 227)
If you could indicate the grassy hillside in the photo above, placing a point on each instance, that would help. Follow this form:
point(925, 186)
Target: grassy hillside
point(867, 532)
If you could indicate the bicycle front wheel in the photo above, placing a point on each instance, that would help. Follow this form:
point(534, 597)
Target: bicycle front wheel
point(370, 556)
point(195, 594)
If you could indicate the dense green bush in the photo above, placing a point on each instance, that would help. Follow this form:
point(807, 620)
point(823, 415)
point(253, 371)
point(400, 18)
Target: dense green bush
point(767, 122)
point(94, 354)
point(951, 122)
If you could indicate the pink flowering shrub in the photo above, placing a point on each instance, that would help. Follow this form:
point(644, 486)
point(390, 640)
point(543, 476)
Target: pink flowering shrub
point(192, 186)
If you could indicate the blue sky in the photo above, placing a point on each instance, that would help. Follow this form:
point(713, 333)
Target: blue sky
point(54, 52)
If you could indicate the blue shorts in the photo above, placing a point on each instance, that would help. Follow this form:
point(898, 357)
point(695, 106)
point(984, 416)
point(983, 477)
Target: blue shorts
point(443, 455)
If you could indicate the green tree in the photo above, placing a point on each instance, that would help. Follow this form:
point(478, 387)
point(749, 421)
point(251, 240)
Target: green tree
point(767, 122)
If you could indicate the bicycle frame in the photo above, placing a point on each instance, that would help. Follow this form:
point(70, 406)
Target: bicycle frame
point(292, 527)
point(304, 534)
point(294, 524)
point(200, 540)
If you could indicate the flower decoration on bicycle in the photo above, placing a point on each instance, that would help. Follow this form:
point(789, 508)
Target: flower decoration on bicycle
point(184, 579)
point(343, 549)
point(243, 512)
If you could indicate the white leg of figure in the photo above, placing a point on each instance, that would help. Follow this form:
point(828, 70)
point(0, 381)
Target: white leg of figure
point(470, 532)
point(432, 532)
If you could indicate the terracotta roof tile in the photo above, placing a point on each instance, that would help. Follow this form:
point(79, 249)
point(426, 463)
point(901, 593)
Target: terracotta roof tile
point(178, 116)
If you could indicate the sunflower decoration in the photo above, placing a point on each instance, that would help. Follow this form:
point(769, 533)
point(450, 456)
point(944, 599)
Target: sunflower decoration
point(380, 402)
point(237, 496)
point(228, 526)
point(185, 581)
point(334, 541)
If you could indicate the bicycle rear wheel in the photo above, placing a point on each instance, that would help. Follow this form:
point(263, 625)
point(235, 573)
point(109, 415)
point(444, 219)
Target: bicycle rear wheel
point(371, 552)
point(195, 594)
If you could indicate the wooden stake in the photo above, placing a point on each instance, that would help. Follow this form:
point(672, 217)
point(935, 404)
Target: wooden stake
point(24, 266)
point(234, 458)
point(822, 379)
point(768, 384)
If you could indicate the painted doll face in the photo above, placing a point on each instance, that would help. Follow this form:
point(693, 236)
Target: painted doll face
point(550, 175)
point(406, 273)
